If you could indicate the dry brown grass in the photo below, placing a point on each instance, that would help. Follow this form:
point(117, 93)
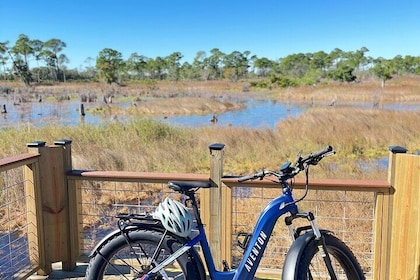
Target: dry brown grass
point(404, 89)
point(161, 88)
point(398, 89)
point(175, 106)
point(359, 133)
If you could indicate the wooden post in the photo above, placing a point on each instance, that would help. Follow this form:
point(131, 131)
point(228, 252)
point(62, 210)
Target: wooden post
point(34, 212)
point(53, 194)
point(226, 221)
point(72, 205)
point(381, 234)
point(82, 110)
point(217, 209)
point(404, 226)
point(383, 222)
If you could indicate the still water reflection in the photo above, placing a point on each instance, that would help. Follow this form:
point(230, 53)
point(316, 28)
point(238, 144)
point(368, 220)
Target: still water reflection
point(256, 114)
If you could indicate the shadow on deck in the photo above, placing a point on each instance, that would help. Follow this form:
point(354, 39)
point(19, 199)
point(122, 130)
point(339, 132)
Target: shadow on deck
point(58, 273)
point(77, 274)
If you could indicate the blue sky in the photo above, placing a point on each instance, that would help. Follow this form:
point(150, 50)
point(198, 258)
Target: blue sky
point(266, 28)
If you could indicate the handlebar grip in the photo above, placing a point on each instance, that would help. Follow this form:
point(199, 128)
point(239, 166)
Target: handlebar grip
point(322, 152)
point(315, 157)
point(246, 178)
point(257, 175)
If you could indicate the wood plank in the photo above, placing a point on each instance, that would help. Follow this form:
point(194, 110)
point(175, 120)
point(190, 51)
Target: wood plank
point(319, 184)
point(381, 234)
point(129, 176)
point(73, 207)
point(33, 217)
point(17, 161)
point(215, 227)
point(54, 201)
point(405, 228)
point(226, 227)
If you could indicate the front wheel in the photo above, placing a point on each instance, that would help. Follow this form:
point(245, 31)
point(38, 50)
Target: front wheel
point(311, 265)
point(132, 254)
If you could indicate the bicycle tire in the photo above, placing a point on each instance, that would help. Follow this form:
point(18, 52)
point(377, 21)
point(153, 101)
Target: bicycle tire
point(311, 265)
point(119, 260)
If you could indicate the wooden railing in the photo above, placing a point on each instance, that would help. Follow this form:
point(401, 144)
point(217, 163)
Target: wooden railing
point(28, 161)
point(54, 212)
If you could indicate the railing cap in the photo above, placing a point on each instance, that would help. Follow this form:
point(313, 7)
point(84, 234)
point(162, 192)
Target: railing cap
point(62, 142)
point(397, 149)
point(217, 146)
point(36, 144)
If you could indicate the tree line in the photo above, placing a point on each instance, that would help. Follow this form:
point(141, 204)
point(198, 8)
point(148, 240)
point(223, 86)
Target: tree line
point(109, 66)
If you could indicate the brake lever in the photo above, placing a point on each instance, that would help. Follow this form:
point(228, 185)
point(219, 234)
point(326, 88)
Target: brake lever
point(261, 174)
point(329, 154)
point(298, 158)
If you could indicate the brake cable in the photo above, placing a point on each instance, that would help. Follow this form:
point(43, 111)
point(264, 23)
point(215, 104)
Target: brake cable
point(306, 189)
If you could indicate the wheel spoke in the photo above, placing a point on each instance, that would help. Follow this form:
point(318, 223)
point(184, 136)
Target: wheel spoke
point(136, 254)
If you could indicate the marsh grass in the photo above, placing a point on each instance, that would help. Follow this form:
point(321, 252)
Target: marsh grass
point(356, 133)
point(399, 89)
point(170, 107)
point(131, 91)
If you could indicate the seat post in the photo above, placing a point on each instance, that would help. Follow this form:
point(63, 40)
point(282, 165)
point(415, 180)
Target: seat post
point(196, 211)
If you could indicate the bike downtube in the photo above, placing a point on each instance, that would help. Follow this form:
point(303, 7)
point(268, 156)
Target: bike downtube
point(170, 259)
point(175, 255)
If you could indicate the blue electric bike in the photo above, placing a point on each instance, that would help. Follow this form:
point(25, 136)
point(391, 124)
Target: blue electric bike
point(142, 248)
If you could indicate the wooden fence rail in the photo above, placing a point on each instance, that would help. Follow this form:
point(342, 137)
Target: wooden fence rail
point(51, 180)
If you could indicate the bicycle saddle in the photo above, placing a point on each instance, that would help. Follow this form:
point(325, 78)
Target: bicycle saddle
point(184, 186)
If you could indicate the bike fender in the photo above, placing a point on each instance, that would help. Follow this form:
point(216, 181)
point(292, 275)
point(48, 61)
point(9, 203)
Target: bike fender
point(295, 252)
point(116, 232)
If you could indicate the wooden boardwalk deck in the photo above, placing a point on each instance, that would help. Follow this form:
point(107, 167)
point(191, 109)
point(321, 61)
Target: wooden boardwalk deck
point(77, 274)
point(58, 273)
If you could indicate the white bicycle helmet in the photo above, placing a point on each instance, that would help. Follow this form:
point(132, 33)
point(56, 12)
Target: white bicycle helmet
point(175, 217)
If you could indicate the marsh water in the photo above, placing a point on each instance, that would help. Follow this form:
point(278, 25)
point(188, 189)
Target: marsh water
point(256, 114)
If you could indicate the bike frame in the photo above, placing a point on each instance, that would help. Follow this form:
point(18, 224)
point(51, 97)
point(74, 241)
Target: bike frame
point(256, 247)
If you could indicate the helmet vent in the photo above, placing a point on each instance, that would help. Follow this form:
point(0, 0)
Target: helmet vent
point(175, 217)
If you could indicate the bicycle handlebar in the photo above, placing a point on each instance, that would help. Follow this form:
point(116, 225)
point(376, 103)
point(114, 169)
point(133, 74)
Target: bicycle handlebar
point(288, 171)
point(314, 158)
